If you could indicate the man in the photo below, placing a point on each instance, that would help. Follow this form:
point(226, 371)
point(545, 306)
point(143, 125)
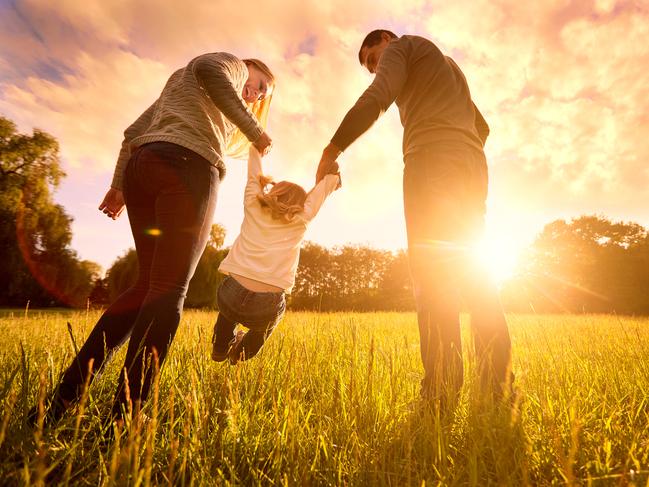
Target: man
point(445, 188)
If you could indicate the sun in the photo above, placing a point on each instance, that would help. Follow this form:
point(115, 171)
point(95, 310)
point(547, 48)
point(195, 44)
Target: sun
point(499, 255)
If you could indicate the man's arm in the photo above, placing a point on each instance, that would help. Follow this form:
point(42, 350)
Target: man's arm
point(391, 74)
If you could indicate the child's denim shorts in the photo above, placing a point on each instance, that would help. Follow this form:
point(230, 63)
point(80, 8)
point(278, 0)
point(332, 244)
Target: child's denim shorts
point(254, 310)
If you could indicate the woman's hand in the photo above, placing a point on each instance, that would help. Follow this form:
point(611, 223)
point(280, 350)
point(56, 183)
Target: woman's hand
point(263, 143)
point(113, 203)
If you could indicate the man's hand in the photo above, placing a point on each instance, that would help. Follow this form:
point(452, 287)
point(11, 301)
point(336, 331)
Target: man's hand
point(263, 143)
point(113, 203)
point(328, 164)
point(335, 169)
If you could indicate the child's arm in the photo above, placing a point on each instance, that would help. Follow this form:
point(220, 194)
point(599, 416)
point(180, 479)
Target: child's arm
point(319, 194)
point(253, 186)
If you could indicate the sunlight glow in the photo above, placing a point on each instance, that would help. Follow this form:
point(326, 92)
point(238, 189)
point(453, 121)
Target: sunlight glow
point(499, 256)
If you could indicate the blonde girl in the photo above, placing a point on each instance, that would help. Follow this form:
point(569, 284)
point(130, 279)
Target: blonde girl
point(262, 263)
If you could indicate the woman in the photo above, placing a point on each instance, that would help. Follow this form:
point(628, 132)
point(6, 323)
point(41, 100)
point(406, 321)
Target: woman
point(168, 173)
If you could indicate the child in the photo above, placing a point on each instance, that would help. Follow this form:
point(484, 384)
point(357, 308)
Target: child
point(262, 263)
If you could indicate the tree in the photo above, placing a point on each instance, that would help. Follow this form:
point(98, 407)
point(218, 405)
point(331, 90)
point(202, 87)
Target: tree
point(36, 262)
point(395, 287)
point(122, 274)
point(358, 271)
point(313, 280)
point(207, 278)
point(587, 264)
point(99, 295)
point(351, 277)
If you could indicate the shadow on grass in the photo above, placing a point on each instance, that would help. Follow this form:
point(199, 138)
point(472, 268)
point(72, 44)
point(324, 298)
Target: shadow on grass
point(476, 442)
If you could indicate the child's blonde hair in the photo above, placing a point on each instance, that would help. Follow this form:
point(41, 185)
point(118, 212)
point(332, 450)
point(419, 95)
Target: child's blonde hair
point(284, 200)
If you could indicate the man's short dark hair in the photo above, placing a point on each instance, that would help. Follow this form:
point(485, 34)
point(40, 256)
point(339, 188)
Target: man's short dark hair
point(372, 39)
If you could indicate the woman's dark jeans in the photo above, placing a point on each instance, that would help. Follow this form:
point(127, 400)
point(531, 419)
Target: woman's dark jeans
point(445, 189)
point(170, 196)
point(259, 312)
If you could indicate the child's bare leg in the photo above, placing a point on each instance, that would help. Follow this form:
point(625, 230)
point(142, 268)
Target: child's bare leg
point(223, 334)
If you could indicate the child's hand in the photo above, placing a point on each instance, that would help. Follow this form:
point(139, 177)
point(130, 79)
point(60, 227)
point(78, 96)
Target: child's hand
point(334, 169)
point(263, 143)
point(328, 164)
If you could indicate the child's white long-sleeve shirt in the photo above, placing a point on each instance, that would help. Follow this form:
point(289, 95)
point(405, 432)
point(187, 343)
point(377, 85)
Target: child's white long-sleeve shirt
point(268, 250)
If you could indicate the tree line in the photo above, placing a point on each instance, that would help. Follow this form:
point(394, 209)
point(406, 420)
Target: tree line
point(588, 264)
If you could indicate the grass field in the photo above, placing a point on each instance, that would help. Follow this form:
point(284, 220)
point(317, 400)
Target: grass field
point(333, 399)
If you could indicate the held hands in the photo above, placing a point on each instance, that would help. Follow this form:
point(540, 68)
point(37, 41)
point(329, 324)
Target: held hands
point(263, 143)
point(334, 168)
point(328, 164)
point(113, 203)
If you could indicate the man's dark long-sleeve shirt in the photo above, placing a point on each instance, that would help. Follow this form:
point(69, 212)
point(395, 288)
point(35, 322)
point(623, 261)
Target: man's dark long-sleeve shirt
point(432, 95)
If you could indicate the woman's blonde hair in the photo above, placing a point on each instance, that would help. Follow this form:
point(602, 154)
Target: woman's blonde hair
point(284, 199)
point(239, 144)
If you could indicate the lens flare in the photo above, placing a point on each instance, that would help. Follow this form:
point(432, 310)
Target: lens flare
point(44, 271)
point(499, 256)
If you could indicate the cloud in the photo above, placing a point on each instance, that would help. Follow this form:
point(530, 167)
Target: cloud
point(87, 111)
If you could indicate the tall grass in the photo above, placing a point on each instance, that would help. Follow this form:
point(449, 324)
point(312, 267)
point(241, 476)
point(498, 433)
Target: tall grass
point(333, 399)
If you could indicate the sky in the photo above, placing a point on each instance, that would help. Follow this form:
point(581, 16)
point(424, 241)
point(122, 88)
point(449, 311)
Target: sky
point(563, 85)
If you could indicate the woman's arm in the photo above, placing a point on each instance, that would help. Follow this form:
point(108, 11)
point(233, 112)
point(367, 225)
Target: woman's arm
point(136, 129)
point(213, 72)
